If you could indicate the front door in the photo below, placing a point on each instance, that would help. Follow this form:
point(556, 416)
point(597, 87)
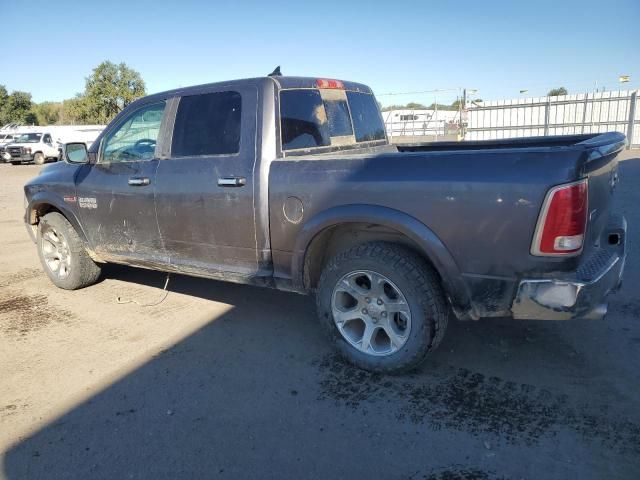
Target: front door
point(115, 195)
point(205, 190)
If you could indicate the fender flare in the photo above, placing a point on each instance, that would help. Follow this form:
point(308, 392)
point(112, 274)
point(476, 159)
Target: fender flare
point(56, 201)
point(428, 242)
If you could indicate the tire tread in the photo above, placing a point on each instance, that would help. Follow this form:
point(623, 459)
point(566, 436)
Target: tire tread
point(413, 267)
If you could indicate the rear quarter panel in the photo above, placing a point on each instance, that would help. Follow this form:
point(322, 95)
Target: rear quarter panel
point(482, 205)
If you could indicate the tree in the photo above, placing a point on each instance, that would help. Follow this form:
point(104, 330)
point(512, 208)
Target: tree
point(48, 113)
point(108, 90)
point(4, 96)
point(76, 111)
point(17, 108)
point(556, 92)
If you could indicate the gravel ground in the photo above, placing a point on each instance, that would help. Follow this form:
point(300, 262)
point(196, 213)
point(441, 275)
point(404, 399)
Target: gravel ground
point(228, 381)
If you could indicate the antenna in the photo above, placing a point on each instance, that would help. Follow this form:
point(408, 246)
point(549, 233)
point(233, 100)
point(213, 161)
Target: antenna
point(276, 72)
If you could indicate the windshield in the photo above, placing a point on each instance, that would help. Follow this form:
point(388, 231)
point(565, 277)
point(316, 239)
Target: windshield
point(29, 138)
point(313, 118)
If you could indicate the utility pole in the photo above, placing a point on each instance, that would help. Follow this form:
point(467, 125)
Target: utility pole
point(463, 108)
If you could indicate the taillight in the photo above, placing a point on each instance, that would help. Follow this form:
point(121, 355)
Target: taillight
point(563, 220)
point(325, 83)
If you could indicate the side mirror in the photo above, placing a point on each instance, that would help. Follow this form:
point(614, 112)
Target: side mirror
point(76, 153)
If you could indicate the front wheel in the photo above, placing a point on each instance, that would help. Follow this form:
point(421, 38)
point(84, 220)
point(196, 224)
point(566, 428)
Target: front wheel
point(38, 159)
point(383, 306)
point(62, 254)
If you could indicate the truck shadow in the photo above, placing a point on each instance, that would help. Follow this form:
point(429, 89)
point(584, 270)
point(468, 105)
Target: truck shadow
point(257, 393)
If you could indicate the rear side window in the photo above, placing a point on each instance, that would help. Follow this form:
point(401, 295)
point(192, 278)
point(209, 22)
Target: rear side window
point(303, 119)
point(367, 122)
point(207, 124)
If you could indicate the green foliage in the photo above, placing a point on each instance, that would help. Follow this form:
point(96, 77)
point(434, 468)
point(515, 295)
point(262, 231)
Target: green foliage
point(556, 92)
point(16, 107)
point(415, 106)
point(76, 111)
point(48, 113)
point(420, 106)
point(108, 90)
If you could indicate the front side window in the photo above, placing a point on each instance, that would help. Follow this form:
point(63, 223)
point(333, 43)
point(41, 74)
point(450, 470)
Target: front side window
point(47, 138)
point(135, 139)
point(207, 124)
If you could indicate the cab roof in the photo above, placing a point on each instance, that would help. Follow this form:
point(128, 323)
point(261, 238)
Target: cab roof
point(281, 82)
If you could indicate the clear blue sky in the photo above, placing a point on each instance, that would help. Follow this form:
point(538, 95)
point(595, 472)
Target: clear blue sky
point(496, 47)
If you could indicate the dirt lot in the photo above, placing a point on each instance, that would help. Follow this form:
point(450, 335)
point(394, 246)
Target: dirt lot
point(237, 382)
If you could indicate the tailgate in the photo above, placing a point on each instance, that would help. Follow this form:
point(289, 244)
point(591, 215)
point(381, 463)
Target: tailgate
point(600, 165)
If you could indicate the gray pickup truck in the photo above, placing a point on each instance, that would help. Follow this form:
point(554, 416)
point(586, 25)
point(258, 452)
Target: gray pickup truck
point(290, 183)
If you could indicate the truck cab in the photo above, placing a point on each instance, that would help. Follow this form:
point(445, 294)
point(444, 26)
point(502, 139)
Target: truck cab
point(31, 147)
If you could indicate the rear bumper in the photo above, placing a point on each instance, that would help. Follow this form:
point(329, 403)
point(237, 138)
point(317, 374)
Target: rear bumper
point(581, 295)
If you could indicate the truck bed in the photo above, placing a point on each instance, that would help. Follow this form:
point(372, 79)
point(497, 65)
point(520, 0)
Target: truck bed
point(480, 199)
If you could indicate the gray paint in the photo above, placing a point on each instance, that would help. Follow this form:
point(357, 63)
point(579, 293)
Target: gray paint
point(470, 208)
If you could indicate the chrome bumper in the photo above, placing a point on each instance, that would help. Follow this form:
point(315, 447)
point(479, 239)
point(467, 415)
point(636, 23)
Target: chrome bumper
point(581, 295)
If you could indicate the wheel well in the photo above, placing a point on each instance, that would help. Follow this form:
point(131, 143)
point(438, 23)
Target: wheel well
point(341, 237)
point(40, 211)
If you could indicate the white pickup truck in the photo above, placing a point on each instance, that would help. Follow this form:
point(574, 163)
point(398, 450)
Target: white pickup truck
point(36, 147)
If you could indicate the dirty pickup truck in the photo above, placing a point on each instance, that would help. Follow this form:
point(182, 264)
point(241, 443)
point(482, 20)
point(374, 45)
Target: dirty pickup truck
point(290, 182)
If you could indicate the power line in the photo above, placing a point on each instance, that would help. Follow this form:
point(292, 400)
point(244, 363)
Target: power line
point(457, 89)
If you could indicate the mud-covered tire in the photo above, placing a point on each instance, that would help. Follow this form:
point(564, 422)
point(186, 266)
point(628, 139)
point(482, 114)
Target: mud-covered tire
point(417, 281)
point(38, 159)
point(82, 271)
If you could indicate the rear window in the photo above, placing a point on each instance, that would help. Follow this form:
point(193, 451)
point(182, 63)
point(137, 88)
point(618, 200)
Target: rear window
point(313, 118)
point(207, 124)
point(367, 121)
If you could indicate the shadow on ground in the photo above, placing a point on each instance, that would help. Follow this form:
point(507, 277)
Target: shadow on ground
point(257, 393)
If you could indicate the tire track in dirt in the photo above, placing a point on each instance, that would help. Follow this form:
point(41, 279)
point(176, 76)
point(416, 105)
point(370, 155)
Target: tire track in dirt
point(459, 399)
point(9, 279)
point(22, 314)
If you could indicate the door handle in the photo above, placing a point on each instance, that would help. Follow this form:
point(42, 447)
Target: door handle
point(139, 181)
point(232, 181)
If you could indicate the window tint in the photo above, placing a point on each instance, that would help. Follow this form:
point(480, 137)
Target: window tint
point(367, 122)
point(135, 139)
point(338, 117)
point(207, 124)
point(303, 119)
point(47, 138)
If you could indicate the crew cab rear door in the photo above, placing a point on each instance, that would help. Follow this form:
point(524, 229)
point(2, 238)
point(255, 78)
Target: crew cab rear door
point(204, 190)
point(115, 194)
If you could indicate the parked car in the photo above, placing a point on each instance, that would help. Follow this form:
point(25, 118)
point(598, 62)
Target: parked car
point(36, 147)
point(290, 183)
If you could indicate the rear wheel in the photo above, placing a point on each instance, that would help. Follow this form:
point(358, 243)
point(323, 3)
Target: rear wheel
point(38, 159)
point(383, 306)
point(16, 163)
point(62, 254)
